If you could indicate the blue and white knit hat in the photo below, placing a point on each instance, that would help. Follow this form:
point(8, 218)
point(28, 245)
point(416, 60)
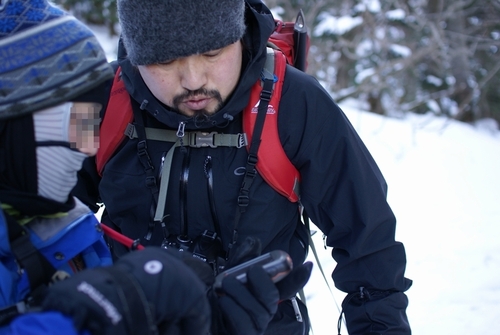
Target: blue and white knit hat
point(46, 57)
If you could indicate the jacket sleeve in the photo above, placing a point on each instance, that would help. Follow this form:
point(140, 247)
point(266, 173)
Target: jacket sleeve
point(46, 323)
point(344, 193)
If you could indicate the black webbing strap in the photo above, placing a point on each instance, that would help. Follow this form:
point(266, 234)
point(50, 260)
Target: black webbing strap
point(250, 171)
point(147, 163)
point(37, 267)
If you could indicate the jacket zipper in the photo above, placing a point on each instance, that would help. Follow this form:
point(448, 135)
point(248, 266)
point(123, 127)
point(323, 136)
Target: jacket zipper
point(183, 229)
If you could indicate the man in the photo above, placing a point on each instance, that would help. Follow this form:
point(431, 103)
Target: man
point(51, 65)
point(188, 67)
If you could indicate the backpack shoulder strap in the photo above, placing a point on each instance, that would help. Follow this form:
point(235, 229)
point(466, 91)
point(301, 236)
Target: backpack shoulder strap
point(260, 123)
point(118, 115)
point(273, 164)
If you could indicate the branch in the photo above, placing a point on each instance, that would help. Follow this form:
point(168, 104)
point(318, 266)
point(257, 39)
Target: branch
point(480, 85)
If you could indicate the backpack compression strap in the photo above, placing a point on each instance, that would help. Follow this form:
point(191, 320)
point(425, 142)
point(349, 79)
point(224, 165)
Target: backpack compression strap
point(273, 164)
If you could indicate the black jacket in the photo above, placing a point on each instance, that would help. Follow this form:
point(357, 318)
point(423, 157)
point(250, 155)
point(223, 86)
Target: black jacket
point(342, 189)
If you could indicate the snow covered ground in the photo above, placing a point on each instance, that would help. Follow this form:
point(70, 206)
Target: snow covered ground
point(444, 188)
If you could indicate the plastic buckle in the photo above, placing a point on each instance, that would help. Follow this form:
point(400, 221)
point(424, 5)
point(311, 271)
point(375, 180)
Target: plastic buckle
point(150, 182)
point(252, 159)
point(135, 244)
point(243, 200)
point(142, 147)
point(129, 131)
point(203, 140)
point(266, 95)
point(251, 173)
point(242, 140)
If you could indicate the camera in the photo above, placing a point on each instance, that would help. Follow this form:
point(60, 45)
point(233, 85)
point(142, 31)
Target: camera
point(277, 264)
point(207, 247)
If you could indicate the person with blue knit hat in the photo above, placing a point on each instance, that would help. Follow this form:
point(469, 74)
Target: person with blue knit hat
point(56, 272)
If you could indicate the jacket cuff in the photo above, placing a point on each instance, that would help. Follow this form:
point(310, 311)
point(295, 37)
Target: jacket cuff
point(376, 312)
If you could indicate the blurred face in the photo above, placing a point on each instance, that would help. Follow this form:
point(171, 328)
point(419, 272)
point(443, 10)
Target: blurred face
point(84, 127)
point(197, 84)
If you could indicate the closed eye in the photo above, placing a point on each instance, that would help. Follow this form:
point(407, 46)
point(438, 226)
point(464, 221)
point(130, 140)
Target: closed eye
point(167, 62)
point(212, 53)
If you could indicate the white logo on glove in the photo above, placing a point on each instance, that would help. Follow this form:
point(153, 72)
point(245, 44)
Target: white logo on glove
point(153, 267)
point(110, 310)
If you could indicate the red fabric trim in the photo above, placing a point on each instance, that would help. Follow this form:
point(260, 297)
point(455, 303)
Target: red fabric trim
point(118, 115)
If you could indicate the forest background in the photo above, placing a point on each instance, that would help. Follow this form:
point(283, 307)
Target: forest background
point(398, 56)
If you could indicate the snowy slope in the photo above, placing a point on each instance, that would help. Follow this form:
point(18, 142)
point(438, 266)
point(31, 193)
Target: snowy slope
point(444, 189)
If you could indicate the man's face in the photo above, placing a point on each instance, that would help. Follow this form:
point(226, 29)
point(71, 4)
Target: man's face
point(197, 84)
point(84, 127)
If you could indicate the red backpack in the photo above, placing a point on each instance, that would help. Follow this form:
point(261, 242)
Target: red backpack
point(288, 44)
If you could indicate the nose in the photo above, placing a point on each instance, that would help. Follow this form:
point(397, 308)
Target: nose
point(89, 148)
point(193, 73)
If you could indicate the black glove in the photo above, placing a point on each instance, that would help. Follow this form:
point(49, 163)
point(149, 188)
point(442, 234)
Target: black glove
point(248, 309)
point(149, 291)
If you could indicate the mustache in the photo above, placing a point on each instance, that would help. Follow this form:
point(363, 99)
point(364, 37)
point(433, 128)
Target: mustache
point(199, 92)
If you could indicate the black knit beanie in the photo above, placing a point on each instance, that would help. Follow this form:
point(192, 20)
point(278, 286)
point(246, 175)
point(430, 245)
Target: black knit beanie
point(155, 31)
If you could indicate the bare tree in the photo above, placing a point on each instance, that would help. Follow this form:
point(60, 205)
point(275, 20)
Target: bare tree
point(409, 55)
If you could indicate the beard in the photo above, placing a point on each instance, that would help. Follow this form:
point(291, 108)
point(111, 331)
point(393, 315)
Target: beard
point(201, 113)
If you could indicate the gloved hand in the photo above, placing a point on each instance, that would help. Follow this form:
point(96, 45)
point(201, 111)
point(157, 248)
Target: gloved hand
point(150, 291)
point(248, 308)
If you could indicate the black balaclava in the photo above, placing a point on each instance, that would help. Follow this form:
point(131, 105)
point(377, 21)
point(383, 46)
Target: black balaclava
point(18, 170)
